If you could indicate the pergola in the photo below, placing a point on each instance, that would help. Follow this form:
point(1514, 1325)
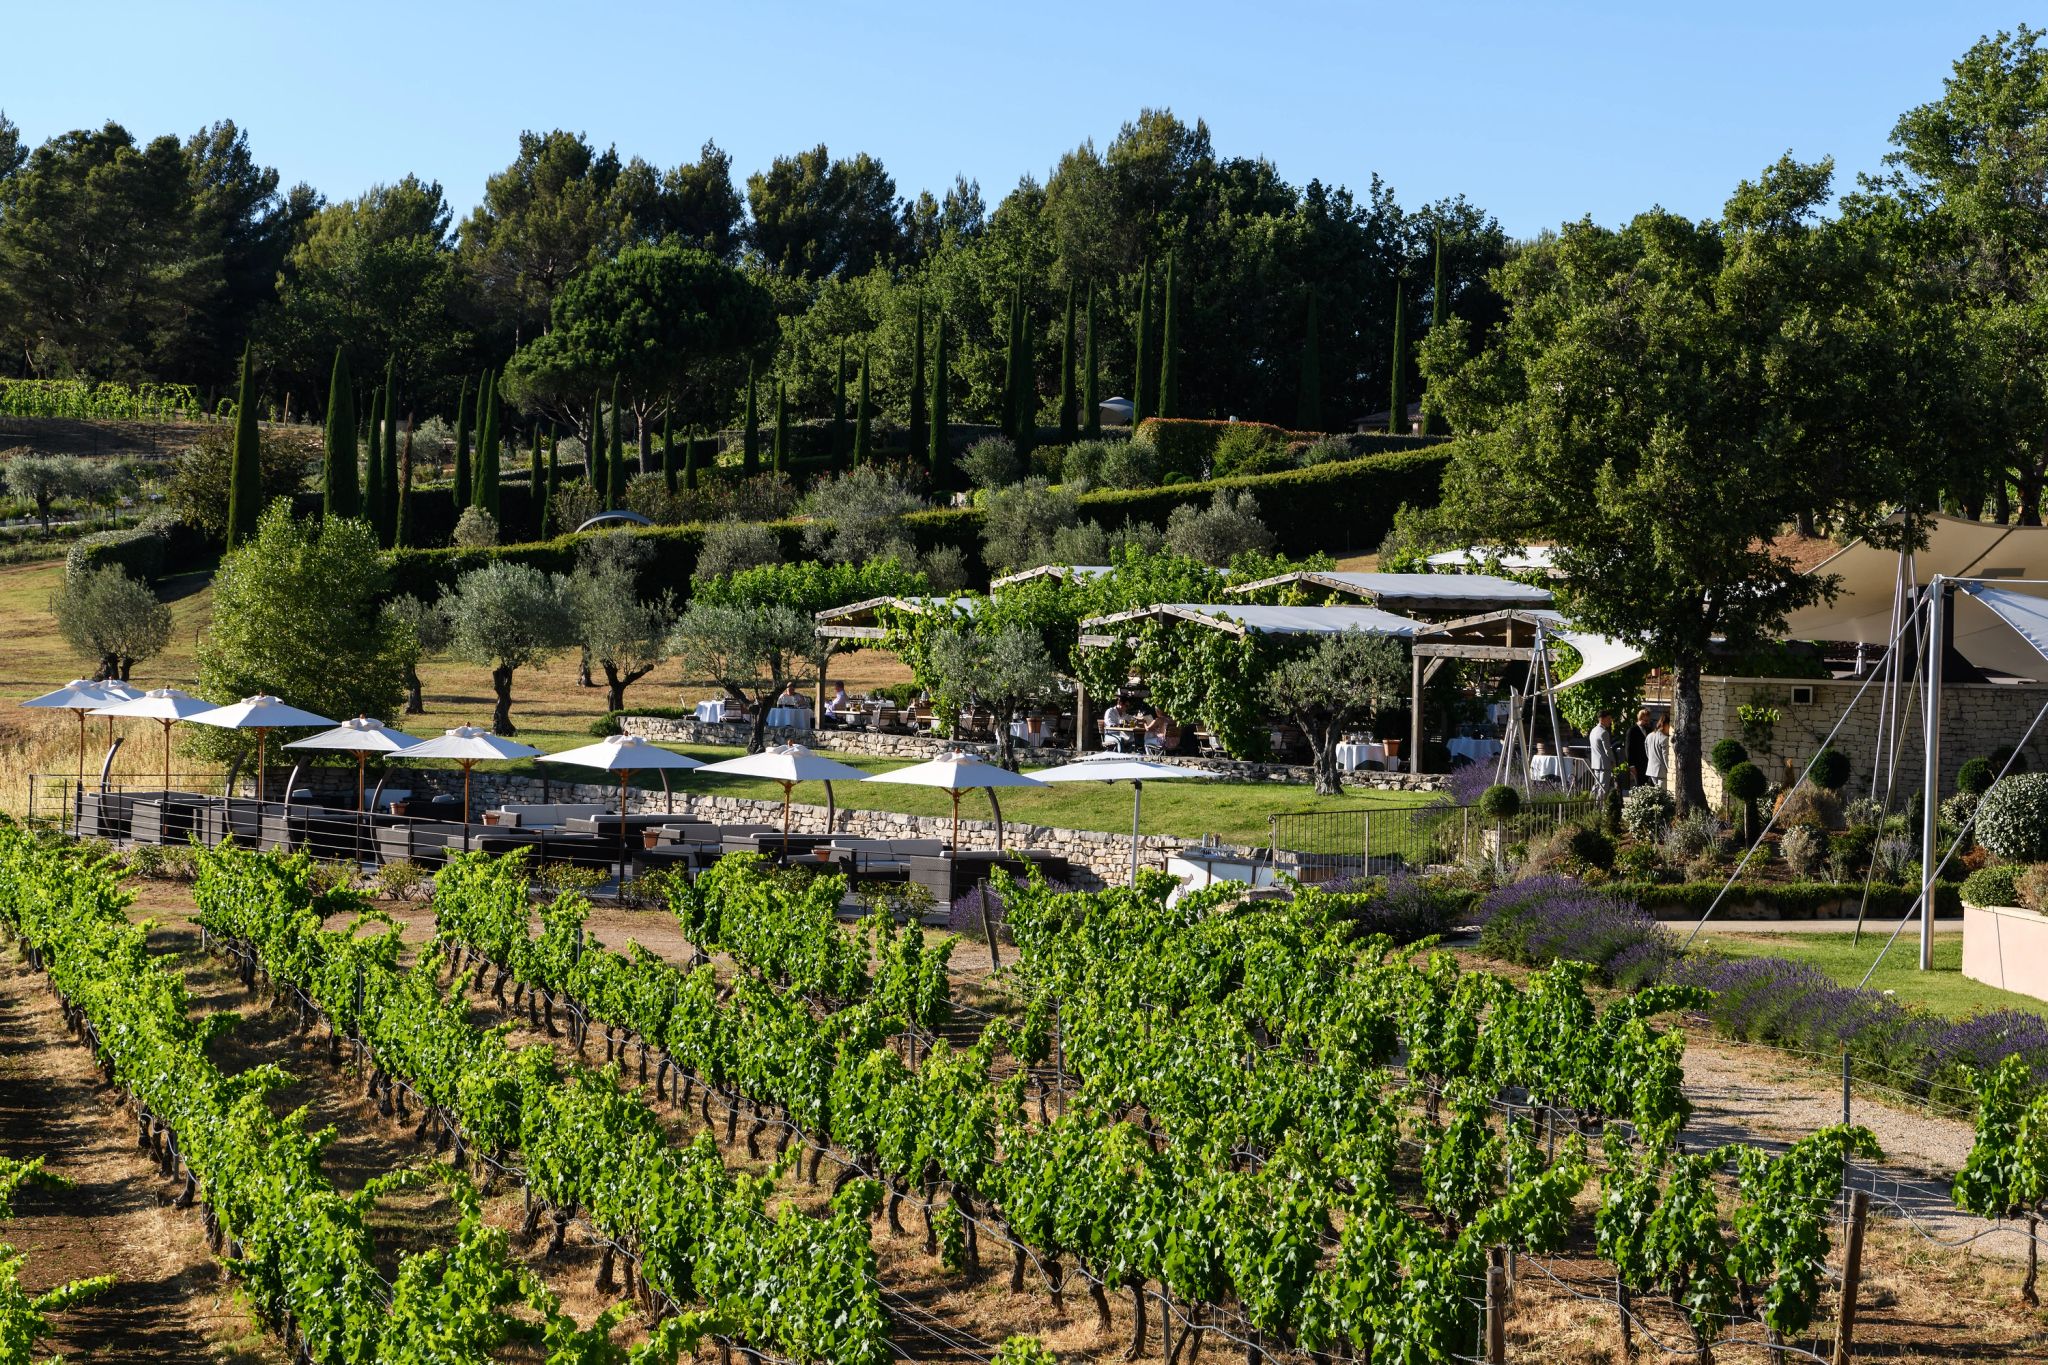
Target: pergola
point(1063, 572)
point(863, 620)
point(1430, 594)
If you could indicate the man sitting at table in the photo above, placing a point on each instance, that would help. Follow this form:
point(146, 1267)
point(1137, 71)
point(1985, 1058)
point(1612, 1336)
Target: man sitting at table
point(838, 707)
point(1113, 736)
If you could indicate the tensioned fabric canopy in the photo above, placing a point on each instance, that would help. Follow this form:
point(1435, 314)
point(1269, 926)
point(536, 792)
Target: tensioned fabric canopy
point(1431, 592)
point(1512, 634)
point(1867, 579)
point(1240, 618)
point(2024, 612)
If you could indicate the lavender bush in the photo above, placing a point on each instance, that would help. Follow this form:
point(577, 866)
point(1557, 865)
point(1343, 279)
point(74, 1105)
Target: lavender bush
point(1405, 906)
point(1547, 919)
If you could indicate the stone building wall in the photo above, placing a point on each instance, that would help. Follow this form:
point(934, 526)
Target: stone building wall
point(1975, 719)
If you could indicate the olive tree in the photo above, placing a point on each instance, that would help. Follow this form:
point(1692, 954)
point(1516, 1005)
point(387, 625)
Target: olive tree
point(45, 480)
point(623, 633)
point(1228, 527)
point(751, 649)
point(1337, 682)
point(1007, 670)
point(111, 618)
point(425, 633)
point(506, 617)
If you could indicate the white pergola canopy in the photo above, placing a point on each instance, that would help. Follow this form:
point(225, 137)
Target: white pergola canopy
point(1059, 571)
point(1242, 618)
point(1461, 593)
point(863, 620)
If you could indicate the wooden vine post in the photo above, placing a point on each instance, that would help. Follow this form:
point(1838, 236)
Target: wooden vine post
point(1852, 1272)
point(1496, 1306)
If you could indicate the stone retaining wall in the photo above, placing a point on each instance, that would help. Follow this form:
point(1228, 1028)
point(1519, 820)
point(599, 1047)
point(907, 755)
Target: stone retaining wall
point(915, 748)
point(1098, 859)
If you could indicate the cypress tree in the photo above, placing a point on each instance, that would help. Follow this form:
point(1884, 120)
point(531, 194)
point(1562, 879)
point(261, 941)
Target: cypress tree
point(615, 462)
point(342, 492)
point(668, 451)
point(863, 419)
point(1138, 411)
point(1007, 418)
point(750, 435)
point(1397, 401)
point(936, 459)
point(390, 480)
point(593, 454)
point(839, 406)
point(547, 510)
point(690, 462)
point(781, 426)
point(1026, 422)
point(1436, 311)
point(917, 407)
point(401, 528)
point(1091, 381)
point(1067, 427)
point(1169, 346)
point(1308, 408)
point(373, 467)
point(488, 451)
point(245, 471)
point(463, 422)
point(537, 489)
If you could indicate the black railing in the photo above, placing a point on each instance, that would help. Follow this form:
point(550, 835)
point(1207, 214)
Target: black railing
point(1327, 845)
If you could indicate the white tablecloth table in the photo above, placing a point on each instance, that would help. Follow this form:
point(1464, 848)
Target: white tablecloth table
point(1477, 750)
point(711, 712)
point(1352, 757)
point(1546, 768)
point(789, 717)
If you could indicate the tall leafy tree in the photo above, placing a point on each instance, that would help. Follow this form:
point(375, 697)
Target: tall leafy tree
point(1068, 427)
point(1308, 410)
point(489, 449)
point(341, 493)
point(245, 479)
point(1169, 347)
point(816, 216)
point(1091, 375)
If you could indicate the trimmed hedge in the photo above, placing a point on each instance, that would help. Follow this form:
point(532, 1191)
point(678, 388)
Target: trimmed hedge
point(1785, 900)
point(141, 552)
point(1186, 444)
point(1344, 506)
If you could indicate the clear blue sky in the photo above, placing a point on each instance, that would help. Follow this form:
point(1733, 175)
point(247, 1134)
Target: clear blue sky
point(1537, 112)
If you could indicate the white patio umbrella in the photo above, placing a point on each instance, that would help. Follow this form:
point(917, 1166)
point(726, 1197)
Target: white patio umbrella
point(789, 764)
point(79, 696)
point(1118, 768)
point(470, 745)
point(624, 755)
point(165, 705)
point(261, 713)
point(957, 772)
point(361, 736)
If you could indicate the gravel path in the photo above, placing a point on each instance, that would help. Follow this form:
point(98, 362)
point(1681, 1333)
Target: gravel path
point(1745, 1094)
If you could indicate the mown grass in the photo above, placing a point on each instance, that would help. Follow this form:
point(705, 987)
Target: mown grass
point(1943, 988)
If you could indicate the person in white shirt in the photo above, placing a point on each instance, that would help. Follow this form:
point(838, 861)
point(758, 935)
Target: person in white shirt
point(1658, 745)
point(1600, 750)
point(839, 706)
point(1113, 717)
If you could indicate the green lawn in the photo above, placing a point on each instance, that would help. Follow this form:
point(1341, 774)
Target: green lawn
point(1944, 989)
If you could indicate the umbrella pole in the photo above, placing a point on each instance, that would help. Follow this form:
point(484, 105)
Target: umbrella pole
point(954, 792)
point(261, 735)
point(787, 789)
point(467, 765)
point(81, 750)
point(167, 757)
point(359, 780)
point(1137, 804)
point(624, 773)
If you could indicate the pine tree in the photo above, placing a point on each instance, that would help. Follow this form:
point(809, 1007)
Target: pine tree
point(750, 437)
point(839, 407)
point(390, 475)
point(593, 455)
point(1397, 401)
point(488, 450)
point(781, 426)
point(1067, 425)
point(1436, 313)
point(245, 471)
point(917, 404)
point(340, 488)
point(864, 414)
point(1308, 409)
point(463, 422)
point(1169, 350)
point(1091, 377)
point(936, 460)
point(373, 467)
point(1138, 409)
point(615, 462)
point(537, 488)
point(401, 523)
point(668, 451)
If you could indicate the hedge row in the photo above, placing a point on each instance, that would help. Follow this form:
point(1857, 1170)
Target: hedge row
point(1783, 900)
point(1339, 506)
point(1187, 444)
point(147, 553)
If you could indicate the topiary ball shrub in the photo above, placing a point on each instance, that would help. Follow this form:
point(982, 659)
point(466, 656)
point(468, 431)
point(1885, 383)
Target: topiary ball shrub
point(1591, 847)
point(1976, 777)
point(1746, 782)
point(2012, 819)
point(1830, 770)
point(1997, 884)
point(1646, 812)
point(1726, 754)
point(1500, 802)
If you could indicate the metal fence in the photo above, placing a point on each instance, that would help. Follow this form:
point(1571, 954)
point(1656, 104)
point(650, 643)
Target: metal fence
point(1318, 846)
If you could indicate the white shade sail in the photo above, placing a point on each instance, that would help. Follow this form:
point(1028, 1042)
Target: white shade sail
point(76, 695)
point(1434, 592)
point(258, 713)
point(1118, 768)
point(623, 754)
point(956, 772)
point(360, 735)
point(1242, 617)
point(471, 744)
point(161, 703)
point(788, 763)
point(2024, 613)
point(1599, 655)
